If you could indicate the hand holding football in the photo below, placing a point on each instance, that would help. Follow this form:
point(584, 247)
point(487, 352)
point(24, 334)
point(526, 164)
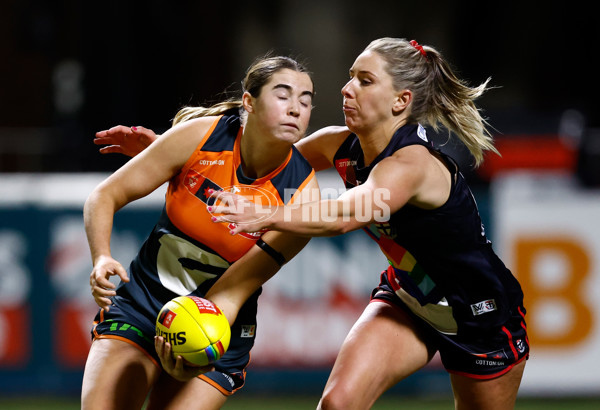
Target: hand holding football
point(195, 328)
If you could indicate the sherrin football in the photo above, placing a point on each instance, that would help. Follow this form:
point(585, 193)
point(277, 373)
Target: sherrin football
point(196, 329)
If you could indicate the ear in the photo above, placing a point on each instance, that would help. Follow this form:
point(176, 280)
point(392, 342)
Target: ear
point(402, 101)
point(248, 101)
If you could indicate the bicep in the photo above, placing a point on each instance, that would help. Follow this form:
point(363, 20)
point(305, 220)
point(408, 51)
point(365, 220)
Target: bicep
point(136, 180)
point(389, 187)
point(392, 184)
point(155, 165)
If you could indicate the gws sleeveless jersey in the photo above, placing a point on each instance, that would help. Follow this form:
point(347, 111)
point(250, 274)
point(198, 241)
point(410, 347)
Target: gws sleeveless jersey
point(186, 252)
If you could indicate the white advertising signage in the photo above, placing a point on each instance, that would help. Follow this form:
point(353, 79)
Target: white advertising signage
point(547, 230)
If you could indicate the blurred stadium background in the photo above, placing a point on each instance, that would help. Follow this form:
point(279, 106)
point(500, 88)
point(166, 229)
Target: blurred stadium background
point(71, 68)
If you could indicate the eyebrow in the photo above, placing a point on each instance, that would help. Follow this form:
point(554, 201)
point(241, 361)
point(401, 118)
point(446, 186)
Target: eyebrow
point(289, 88)
point(352, 72)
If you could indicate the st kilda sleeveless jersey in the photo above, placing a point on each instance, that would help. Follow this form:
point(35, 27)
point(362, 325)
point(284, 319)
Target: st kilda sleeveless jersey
point(441, 265)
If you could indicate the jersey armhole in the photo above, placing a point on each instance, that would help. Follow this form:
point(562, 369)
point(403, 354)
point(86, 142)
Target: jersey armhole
point(205, 138)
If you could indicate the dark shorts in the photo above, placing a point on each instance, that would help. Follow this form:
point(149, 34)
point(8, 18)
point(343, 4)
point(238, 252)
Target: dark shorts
point(121, 322)
point(485, 357)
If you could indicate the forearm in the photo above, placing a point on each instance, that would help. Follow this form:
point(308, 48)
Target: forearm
point(239, 282)
point(98, 215)
point(250, 272)
point(320, 218)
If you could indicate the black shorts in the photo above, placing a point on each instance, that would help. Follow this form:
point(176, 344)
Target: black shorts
point(485, 357)
point(121, 322)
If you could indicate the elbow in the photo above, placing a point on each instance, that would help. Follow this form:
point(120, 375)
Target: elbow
point(89, 204)
point(99, 199)
point(95, 197)
point(90, 208)
point(342, 228)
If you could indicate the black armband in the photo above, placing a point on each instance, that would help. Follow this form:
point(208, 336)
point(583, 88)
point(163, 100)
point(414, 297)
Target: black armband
point(277, 256)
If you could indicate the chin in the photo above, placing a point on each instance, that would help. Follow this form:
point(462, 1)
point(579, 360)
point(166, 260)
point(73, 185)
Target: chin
point(290, 138)
point(352, 126)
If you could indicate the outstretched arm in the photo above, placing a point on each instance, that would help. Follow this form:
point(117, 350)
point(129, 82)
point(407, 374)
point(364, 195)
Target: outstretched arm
point(354, 209)
point(318, 148)
point(411, 176)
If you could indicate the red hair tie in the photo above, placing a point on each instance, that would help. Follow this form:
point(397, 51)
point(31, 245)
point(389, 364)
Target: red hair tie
point(418, 47)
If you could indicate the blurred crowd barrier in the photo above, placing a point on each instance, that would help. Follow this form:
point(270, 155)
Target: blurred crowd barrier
point(545, 228)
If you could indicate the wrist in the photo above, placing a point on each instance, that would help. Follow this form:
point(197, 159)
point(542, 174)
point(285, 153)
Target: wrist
point(97, 258)
point(276, 218)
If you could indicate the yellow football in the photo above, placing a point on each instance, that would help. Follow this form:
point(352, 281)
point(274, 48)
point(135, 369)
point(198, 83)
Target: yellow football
point(196, 329)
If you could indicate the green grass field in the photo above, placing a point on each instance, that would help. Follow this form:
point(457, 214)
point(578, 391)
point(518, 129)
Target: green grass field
point(399, 402)
point(305, 403)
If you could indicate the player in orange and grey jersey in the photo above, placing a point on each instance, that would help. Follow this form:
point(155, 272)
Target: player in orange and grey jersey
point(207, 151)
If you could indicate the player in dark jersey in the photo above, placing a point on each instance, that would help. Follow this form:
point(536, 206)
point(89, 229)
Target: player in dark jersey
point(445, 289)
point(232, 146)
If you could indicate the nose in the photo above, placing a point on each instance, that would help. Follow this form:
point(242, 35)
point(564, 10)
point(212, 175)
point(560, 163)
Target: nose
point(346, 89)
point(294, 111)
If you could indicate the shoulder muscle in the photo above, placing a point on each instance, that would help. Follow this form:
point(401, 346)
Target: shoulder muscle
point(320, 147)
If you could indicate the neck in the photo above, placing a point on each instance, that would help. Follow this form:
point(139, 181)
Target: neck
point(260, 156)
point(373, 141)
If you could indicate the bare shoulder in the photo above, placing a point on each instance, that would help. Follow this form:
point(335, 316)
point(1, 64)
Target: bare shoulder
point(331, 131)
point(189, 132)
point(320, 147)
point(424, 175)
point(200, 124)
point(410, 165)
point(411, 155)
point(176, 145)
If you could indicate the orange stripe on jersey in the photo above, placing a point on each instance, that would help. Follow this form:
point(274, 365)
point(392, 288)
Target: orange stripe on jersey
point(132, 343)
point(215, 385)
point(190, 161)
point(301, 187)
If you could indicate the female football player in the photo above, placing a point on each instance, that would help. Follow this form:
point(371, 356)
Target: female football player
point(445, 289)
point(234, 145)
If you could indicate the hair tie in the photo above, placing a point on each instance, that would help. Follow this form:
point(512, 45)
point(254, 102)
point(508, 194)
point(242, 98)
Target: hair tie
point(418, 47)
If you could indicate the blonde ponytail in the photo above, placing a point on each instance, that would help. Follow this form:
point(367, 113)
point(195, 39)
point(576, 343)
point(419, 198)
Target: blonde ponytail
point(451, 102)
point(439, 96)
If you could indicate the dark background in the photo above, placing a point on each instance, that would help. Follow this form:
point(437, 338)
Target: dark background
point(70, 68)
